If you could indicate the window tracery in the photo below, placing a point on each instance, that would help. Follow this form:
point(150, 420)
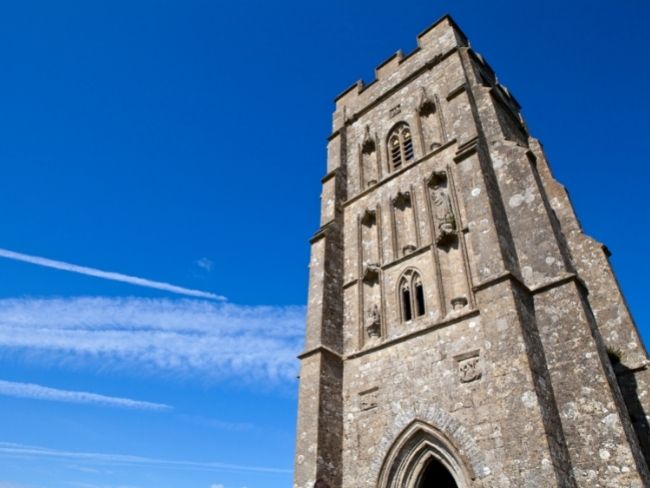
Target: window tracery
point(411, 294)
point(400, 146)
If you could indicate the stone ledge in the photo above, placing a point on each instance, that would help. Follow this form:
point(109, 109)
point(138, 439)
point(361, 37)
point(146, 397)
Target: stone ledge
point(395, 174)
point(319, 349)
point(395, 340)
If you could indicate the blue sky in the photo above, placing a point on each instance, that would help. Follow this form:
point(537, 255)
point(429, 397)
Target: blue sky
point(183, 143)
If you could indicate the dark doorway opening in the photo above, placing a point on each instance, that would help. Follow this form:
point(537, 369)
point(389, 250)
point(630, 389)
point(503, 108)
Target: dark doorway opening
point(436, 476)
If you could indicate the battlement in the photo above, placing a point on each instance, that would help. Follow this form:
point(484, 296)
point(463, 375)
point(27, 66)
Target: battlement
point(439, 38)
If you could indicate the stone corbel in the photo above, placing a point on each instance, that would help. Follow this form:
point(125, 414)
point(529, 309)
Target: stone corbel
point(369, 217)
point(371, 272)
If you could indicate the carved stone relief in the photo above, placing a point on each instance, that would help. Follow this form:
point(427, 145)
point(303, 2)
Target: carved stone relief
point(368, 399)
point(469, 367)
point(370, 326)
point(443, 211)
point(373, 324)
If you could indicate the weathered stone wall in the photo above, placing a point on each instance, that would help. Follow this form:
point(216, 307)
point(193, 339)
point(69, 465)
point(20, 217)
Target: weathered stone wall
point(456, 309)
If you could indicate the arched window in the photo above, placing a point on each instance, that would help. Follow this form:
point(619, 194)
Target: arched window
point(411, 294)
point(400, 146)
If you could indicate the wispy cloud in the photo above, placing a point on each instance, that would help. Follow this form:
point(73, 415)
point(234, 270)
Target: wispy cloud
point(217, 424)
point(38, 392)
point(107, 275)
point(12, 449)
point(11, 484)
point(79, 484)
point(205, 263)
point(216, 340)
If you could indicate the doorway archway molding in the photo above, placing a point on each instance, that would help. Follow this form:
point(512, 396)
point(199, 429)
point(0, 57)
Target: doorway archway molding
point(418, 437)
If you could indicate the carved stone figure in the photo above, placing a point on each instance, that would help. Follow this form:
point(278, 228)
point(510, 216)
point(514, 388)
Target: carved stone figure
point(443, 212)
point(373, 328)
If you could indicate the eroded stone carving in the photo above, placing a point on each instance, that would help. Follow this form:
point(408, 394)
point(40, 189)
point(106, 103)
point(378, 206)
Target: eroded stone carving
point(442, 209)
point(368, 399)
point(402, 199)
point(426, 105)
point(371, 272)
point(469, 369)
point(373, 326)
point(368, 144)
point(408, 249)
point(369, 218)
point(458, 303)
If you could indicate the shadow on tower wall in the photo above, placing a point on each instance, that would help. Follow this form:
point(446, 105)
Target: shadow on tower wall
point(626, 379)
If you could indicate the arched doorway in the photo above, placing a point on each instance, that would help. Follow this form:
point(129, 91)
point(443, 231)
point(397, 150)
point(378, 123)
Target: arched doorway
point(435, 475)
point(423, 457)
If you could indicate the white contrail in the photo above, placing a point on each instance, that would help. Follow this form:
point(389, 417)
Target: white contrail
point(38, 392)
point(107, 275)
point(12, 449)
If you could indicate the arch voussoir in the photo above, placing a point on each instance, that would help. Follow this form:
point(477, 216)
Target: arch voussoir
point(419, 435)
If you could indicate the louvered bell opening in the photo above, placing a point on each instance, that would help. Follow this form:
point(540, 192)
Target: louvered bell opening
point(408, 146)
point(395, 153)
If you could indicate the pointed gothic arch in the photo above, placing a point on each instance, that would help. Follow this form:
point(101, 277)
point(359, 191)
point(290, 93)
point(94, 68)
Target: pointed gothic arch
point(411, 295)
point(423, 457)
point(399, 146)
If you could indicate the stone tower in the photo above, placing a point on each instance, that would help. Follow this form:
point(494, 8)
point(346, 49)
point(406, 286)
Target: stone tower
point(462, 330)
